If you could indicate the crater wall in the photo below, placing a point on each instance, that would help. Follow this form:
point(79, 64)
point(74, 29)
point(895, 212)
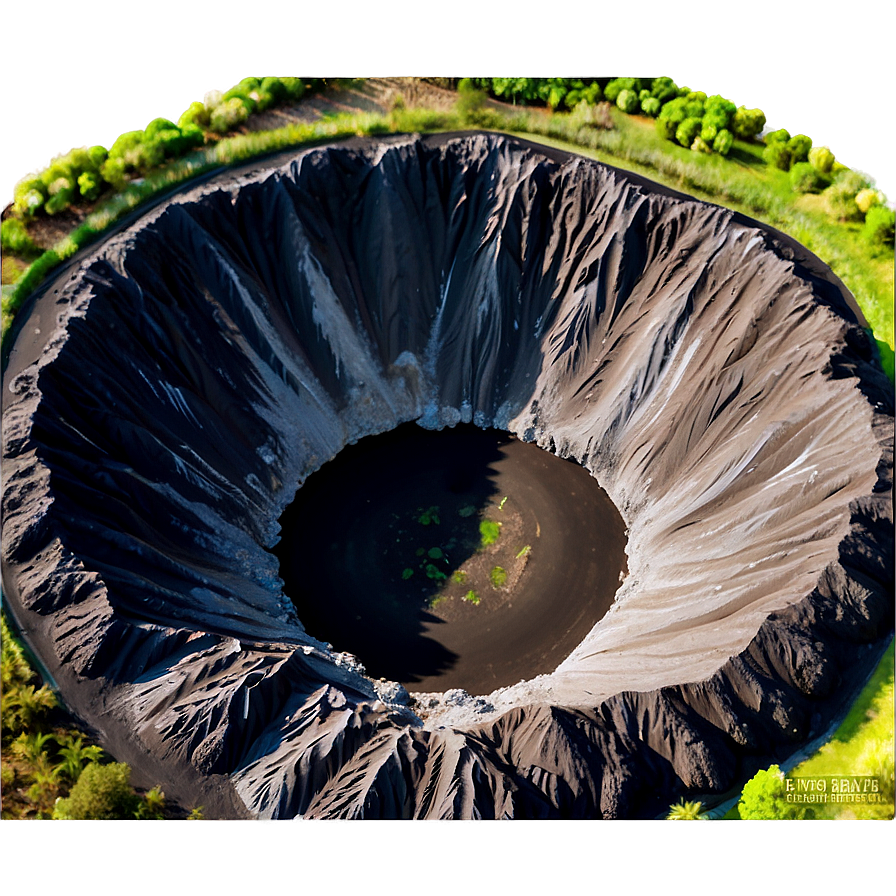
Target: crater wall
point(167, 394)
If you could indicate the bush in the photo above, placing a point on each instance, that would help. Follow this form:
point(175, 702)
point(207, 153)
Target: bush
point(806, 179)
point(821, 159)
point(294, 87)
point(867, 198)
point(723, 142)
point(238, 93)
point(764, 797)
point(196, 114)
point(617, 85)
point(799, 147)
point(229, 114)
point(840, 197)
point(627, 101)
point(782, 135)
point(651, 106)
point(687, 131)
point(274, 88)
point(693, 105)
point(675, 110)
point(777, 155)
point(90, 185)
point(747, 123)
point(700, 145)
point(880, 224)
point(709, 131)
point(29, 196)
point(14, 238)
point(664, 89)
point(720, 110)
point(101, 792)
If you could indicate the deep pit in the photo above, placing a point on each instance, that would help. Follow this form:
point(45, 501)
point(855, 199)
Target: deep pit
point(455, 559)
point(166, 392)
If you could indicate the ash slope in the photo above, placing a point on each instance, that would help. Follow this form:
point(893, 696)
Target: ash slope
point(198, 366)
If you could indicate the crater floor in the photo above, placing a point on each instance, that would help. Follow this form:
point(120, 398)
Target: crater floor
point(455, 559)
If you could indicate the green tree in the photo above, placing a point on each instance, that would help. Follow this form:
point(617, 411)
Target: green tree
point(777, 155)
point(879, 227)
point(30, 747)
point(628, 101)
point(765, 797)
point(821, 159)
point(806, 179)
point(840, 196)
point(663, 89)
point(651, 106)
point(101, 792)
point(799, 146)
point(687, 131)
point(617, 85)
point(229, 114)
point(723, 142)
point(747, 123)
point(14, 237)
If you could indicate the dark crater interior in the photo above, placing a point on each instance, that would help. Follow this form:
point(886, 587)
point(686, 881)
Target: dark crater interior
point(462, 558)
point(173, 390)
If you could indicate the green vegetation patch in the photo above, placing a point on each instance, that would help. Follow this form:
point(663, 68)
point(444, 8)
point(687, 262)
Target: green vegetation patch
point(490, 531)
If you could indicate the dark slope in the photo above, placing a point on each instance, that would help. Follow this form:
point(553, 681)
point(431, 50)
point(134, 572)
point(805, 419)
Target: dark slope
point(165, 397)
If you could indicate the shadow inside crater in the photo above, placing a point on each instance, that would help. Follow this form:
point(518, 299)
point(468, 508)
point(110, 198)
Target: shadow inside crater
point(372, 537)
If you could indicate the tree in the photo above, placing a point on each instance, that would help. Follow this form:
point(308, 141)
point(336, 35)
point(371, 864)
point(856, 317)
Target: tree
point(747, 123)
point(102, 792)
point(683, 811)
point(228, 115)
point(627, 101)
point(723, 142)
point(663, 89)
point(777, 155)
point(804, 178)
point(765, 797)
point(617, 85)
point(651, 106)
point(687, 131)
point(840, 197)
point(879, 228)
point(821, 159)
point(799, 146)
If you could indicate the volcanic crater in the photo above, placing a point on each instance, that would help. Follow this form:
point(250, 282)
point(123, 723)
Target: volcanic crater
point(662, 423)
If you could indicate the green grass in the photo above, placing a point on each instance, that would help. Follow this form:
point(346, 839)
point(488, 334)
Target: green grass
point(864, 737)
point(863, 744)
point(498, 577)
point(743, 183)
point(489, 532)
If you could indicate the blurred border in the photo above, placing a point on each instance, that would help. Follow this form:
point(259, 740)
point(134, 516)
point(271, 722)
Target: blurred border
point(75, 72)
